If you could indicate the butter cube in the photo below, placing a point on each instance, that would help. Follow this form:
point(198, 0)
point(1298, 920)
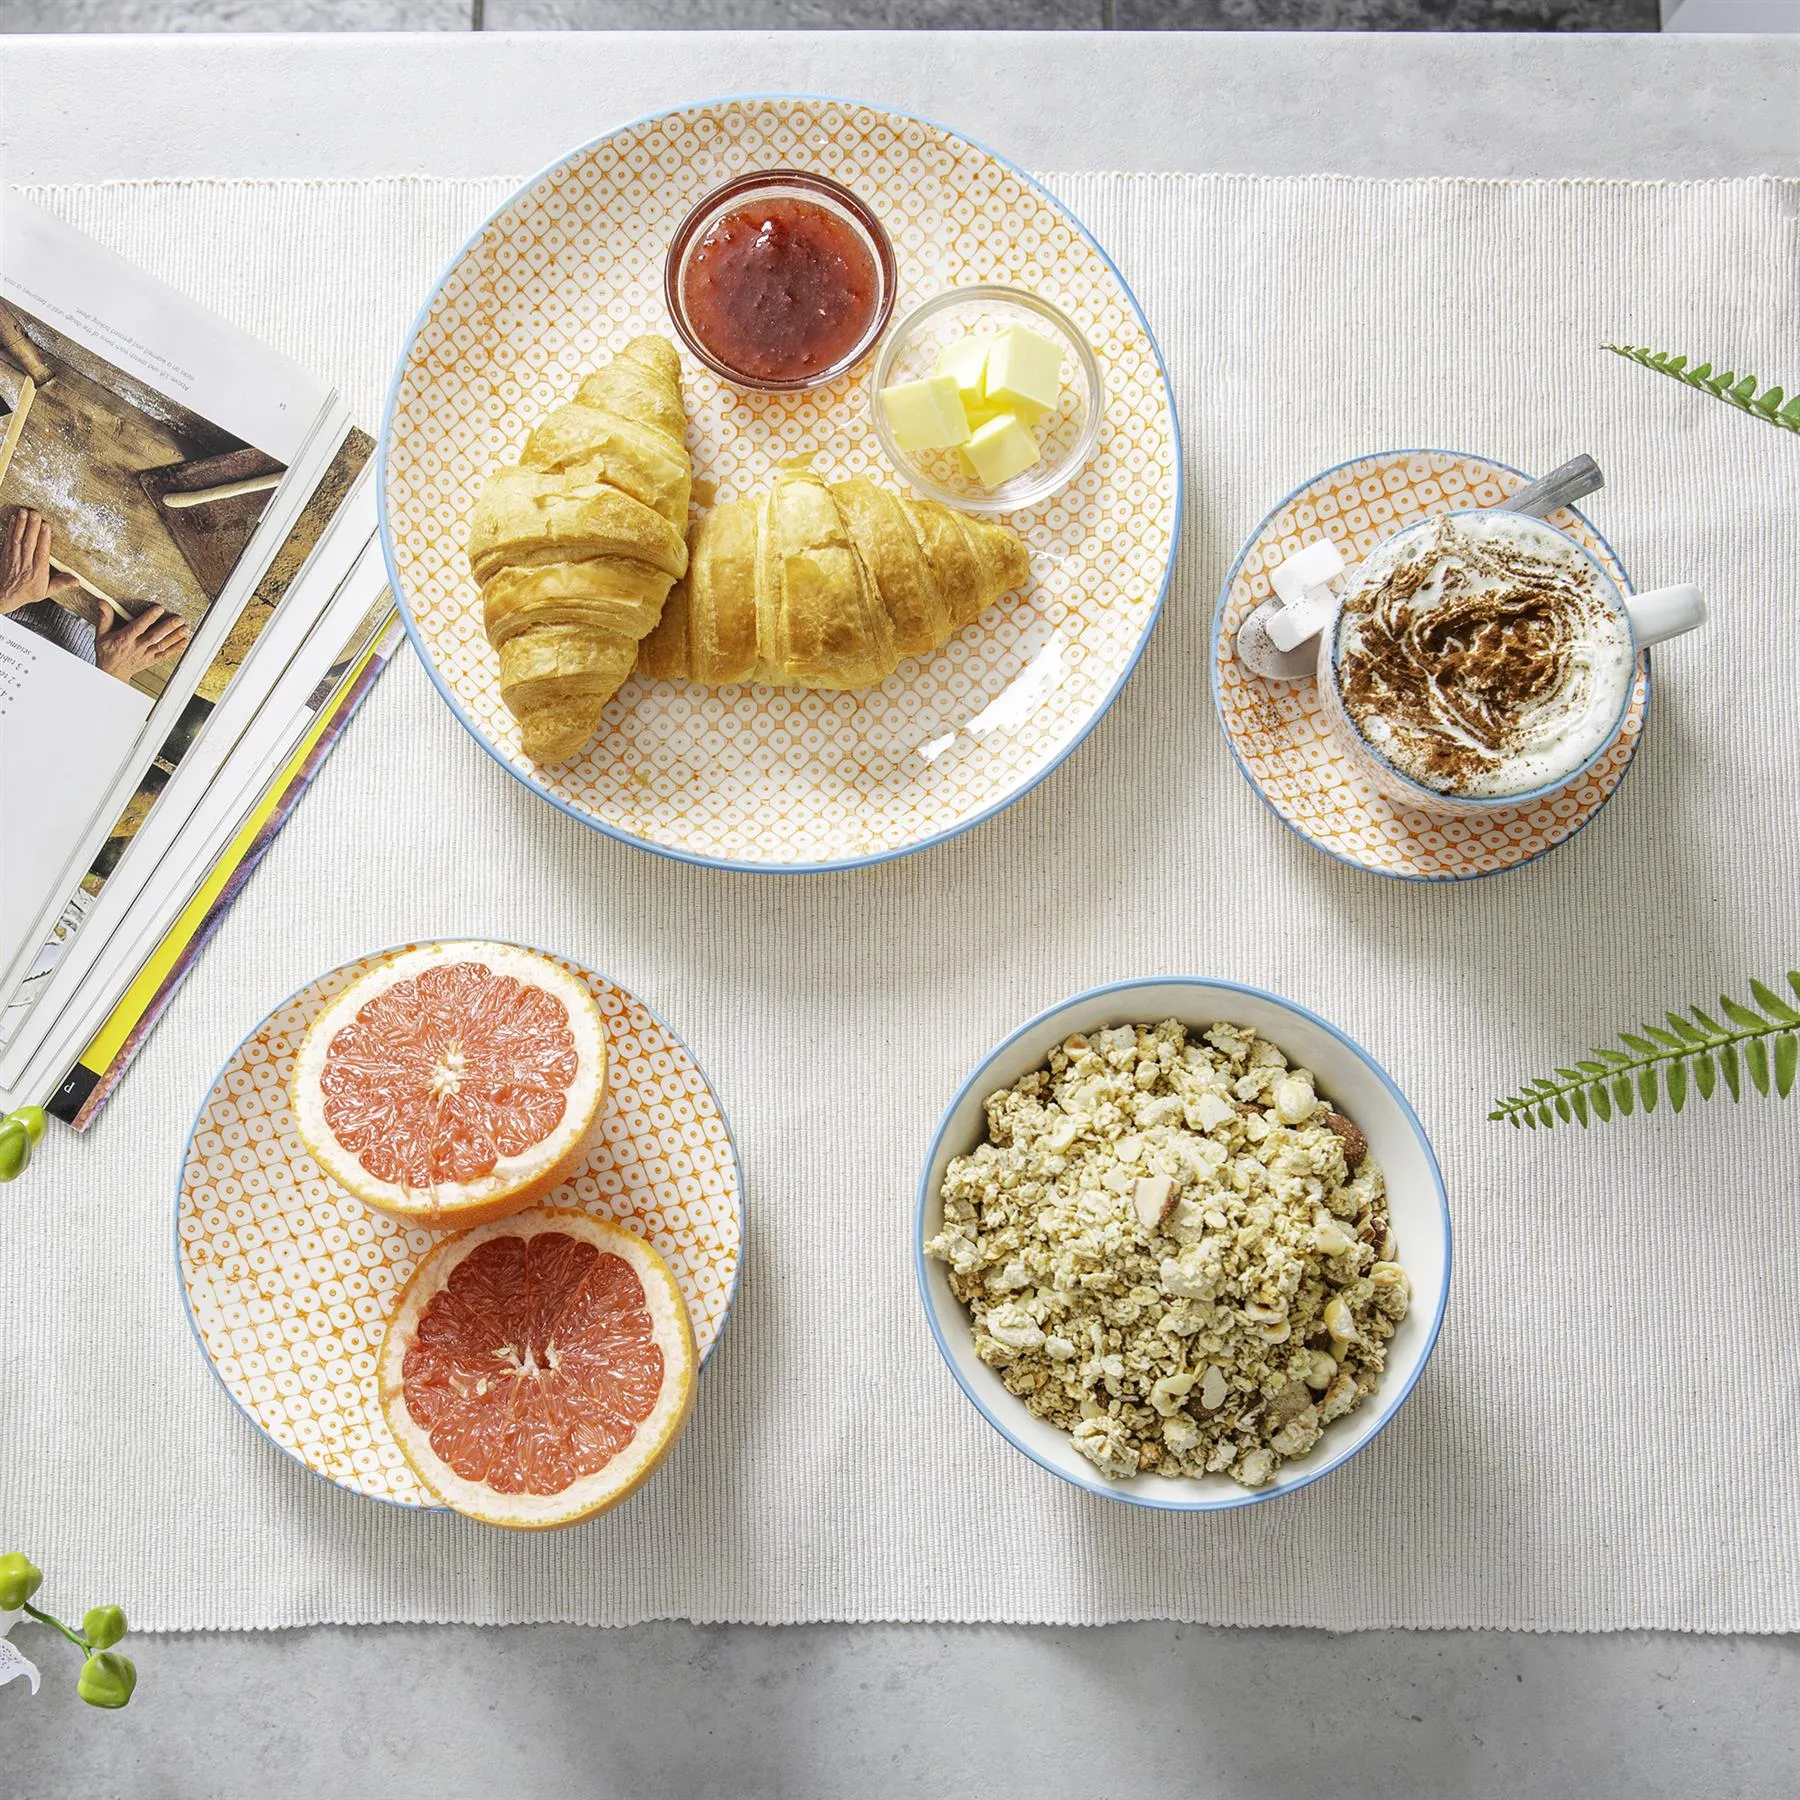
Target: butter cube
point(1024, 372)
point(1024, 411)
point(964, 361)
point(999, 450)
point(927, 414)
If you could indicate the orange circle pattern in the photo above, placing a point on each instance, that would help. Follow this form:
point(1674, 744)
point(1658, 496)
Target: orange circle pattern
point(570, 270)
point(1278, 729)
point(290, 1281)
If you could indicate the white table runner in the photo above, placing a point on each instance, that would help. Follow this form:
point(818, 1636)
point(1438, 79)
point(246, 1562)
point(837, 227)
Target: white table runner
point(1606, 1436)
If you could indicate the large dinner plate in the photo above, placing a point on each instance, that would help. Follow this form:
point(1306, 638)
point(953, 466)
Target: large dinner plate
point(781, 778)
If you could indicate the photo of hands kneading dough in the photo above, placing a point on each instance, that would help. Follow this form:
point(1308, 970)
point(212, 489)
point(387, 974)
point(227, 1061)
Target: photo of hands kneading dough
point(587, 568)
point(122, 512)
point(32, 592)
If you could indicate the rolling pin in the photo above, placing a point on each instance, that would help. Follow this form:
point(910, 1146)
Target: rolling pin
point(229, 490)
point(21, 352)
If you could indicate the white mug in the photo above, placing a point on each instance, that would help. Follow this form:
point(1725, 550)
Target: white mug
point(1663, 613)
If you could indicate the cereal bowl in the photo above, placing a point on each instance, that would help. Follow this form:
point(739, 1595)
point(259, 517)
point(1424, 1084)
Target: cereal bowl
point(1417, 1209)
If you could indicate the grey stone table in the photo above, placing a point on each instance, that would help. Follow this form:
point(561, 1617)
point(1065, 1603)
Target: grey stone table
point(692, 1711)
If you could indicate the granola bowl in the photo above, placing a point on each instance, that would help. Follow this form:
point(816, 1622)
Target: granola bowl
point(1203, 1263)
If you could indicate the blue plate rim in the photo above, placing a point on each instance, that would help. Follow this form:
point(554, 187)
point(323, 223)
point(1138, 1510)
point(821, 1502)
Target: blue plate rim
point(1098, 1486)
point(588, 819)
point(187, 1308)
point(1350, 862)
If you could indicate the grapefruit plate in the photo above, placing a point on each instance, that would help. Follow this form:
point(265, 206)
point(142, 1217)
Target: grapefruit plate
point(289, 1281)
point(538, 1369)
point(453, 1084)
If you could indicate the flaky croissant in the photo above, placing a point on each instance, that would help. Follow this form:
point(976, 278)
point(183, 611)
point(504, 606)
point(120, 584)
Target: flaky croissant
point(826, 585)
point(576, 548)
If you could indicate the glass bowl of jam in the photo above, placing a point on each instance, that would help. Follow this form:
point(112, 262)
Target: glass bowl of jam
point(780, 280)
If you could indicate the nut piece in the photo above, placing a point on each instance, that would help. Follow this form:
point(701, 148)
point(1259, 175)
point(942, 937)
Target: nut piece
point(1154, 1200)
point(1349, 1133)
point(1212, 1388)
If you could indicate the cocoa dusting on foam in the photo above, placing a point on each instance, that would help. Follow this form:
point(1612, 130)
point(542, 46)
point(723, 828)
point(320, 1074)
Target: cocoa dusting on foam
point(1481, 656)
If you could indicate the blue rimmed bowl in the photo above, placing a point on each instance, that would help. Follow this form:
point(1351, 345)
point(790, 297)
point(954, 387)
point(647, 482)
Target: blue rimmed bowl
point(1417, 1208)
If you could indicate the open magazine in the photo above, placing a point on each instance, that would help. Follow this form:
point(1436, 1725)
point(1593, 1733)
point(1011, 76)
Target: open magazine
point(192, 603)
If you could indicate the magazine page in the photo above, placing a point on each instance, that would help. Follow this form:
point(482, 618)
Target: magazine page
point(143, 444)
point(157, 783)
point(341, 578)
point(89, 985)
point(87, 1086)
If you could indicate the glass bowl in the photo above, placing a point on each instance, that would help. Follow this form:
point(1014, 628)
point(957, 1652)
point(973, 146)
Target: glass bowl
point(784, 184)
point(1067, 438)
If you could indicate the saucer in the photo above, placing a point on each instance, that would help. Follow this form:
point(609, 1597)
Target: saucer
point(1277, 729)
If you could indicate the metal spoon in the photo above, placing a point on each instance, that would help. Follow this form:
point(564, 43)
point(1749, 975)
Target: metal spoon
point(1564, 485)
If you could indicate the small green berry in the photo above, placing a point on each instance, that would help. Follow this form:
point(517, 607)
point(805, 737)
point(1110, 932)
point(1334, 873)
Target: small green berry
point(107, 1678)
point(20, 1578)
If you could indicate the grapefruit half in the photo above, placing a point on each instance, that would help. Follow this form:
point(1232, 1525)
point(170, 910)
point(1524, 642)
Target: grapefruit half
point(538, 1369)
point(454, 1083)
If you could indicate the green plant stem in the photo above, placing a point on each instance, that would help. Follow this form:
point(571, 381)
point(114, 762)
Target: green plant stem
point(74, 1637)
point(1772, 406)
point(1763, 1045)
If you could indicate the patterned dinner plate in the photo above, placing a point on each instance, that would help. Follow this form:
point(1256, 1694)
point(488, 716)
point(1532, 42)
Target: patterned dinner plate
point(782, 778)
point(289, 1282)
point(1276, 729)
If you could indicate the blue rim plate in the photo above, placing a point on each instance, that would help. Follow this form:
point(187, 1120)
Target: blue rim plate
point(1215, 658)
point(1350, 1075)
point(637, 839)
point(370, 1407)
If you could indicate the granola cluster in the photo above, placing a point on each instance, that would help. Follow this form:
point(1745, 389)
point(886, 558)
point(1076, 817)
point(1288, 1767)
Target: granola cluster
point(1175, 1250)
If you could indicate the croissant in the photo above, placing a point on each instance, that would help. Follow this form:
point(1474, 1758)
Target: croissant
point(576, 548)
point(826, 585)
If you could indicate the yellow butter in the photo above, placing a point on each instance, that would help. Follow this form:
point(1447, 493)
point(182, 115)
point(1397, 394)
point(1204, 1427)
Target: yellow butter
point(964, 361)
point(926, 414)
point(1024, 373)
point(999, 450)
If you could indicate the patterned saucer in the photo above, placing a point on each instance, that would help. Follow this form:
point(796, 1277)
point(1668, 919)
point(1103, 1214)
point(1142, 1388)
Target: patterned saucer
point(289, 1282)
point(780, 778)
point(1276, 729)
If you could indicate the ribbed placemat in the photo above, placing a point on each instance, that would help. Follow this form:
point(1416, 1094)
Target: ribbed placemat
point(1605, 1438)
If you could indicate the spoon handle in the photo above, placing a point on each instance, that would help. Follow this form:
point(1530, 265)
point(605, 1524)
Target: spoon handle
point(1561, 487)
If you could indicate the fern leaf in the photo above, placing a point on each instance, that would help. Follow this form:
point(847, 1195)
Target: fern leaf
point(1693, 1057)
point(1773, 407)
point(1756, 1060)
point(1773, 1004)
point(1740, 1015)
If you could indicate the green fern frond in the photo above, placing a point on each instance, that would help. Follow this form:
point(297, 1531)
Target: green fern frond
point(1686, 1057)
point(1772, 405)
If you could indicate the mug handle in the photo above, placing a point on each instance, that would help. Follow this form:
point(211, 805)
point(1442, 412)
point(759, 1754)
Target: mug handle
point(1665, 613)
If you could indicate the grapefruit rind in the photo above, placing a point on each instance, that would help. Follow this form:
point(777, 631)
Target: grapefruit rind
point(515, 1182)
point(593, 1494)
